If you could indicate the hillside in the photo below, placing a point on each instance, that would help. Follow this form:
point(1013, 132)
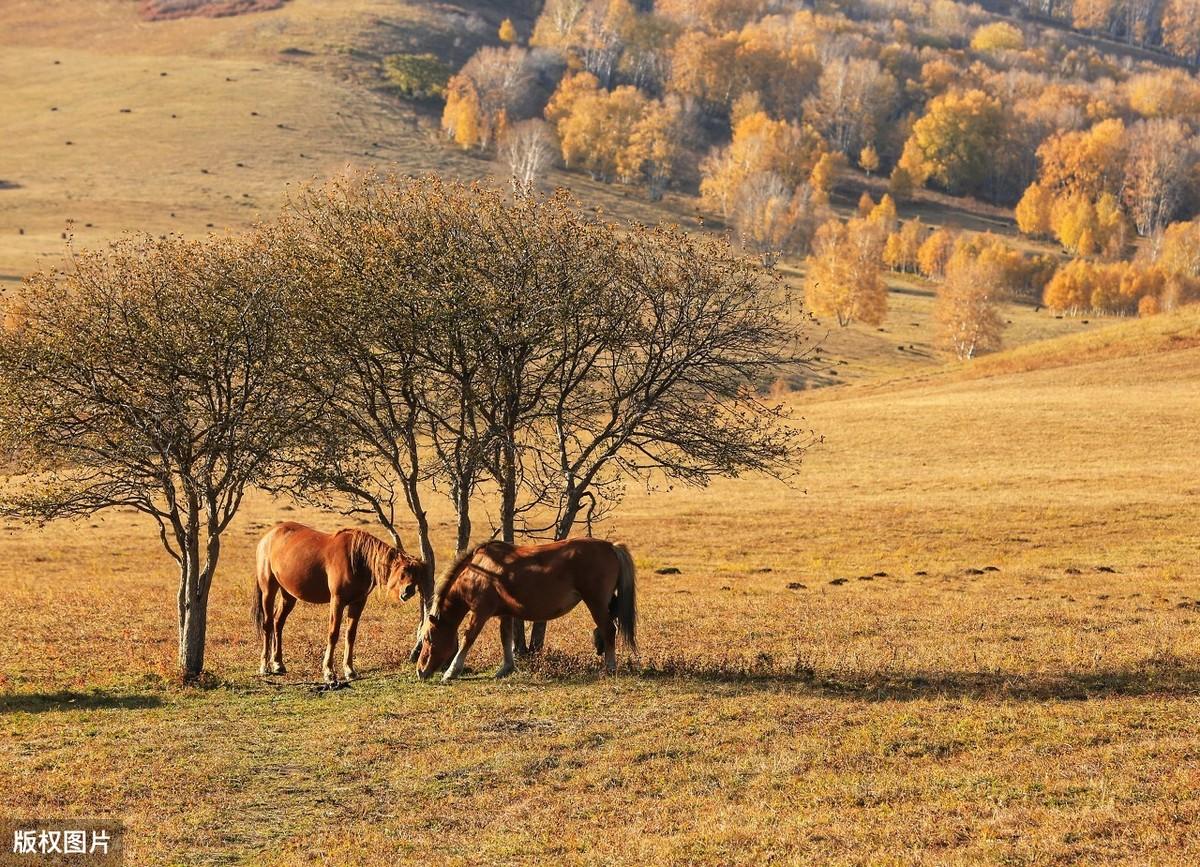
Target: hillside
point(195, 125)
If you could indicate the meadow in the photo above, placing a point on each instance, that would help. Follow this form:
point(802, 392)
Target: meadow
point(966, 632)
point(969, 634)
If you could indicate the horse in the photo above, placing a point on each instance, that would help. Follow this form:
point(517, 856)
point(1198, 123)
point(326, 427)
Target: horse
point(340, 570)
point(534, 582)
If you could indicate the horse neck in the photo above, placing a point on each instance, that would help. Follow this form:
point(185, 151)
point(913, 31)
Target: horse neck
point(378, 556)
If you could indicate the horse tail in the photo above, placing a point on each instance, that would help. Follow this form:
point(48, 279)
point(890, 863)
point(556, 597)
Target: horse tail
point(258, 614)
point(626, 597)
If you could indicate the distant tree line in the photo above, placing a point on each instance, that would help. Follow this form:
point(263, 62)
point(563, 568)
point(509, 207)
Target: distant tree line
point(383, 342)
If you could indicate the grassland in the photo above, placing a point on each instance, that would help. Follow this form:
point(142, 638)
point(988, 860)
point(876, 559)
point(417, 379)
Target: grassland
point(1017, 681)
point(1019, 687)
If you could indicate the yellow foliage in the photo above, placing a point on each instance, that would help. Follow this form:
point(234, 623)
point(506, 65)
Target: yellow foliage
point(1034, 210)
point(759, 144)
point(868, 159)
point(1000, 36)
point(842, 274)
point(935, 252)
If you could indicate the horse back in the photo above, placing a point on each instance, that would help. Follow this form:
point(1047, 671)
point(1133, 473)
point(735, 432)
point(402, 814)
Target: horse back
point(307, 563)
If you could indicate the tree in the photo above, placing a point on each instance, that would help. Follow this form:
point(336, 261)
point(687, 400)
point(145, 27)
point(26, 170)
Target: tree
point(1181, 29)
point(854, 97)
point(492, 89)
point(954, 143)
point(464, 336)
point(842, 273)
point(672, 388)
point(825, 175)
point(155, 375)
point(935, 252)
point(507, 32)
point(868, 159)
point(461, 116)
point(417, 76)
point(883, 215)
point(1088, 162)
point(901, 184)
point(996, 37)
point(528, 148)
point(556, 22)
point(966, 314)
point(900, 251)
point(1179, 250)
point(759, 144)
point(1034, 211)
point(597, 131)
point(656, 145)
point(765, 216)
point(1160, 172)
point(1070, 289)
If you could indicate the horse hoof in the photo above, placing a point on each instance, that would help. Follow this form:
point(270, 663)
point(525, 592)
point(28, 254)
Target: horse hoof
point(280, 668)
point(351, 674)
point(504, 671)
point(263, 671)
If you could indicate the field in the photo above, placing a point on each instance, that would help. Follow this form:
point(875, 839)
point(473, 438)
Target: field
point(1020, 686)
point(967, 632)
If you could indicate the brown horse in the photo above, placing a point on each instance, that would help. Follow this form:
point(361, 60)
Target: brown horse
point(536, 582)
point(339, 570)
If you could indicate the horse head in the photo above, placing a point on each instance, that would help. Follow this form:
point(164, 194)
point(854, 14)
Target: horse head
point(438, 644)
point(407, 576)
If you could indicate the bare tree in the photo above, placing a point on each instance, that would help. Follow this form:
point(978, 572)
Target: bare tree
point(1159, 172)
point(528, 149)
point(154, 376)
point(661, 374)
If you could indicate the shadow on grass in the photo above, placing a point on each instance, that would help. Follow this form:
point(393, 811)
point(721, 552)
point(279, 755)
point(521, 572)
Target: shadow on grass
point(1146, 682)
point(1152, 680)
point(44, 702)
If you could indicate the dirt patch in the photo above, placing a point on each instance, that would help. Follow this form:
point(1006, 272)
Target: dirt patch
point(165, 10)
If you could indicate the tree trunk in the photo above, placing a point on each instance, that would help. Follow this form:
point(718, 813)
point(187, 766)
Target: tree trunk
point(193, 619)
point(462, 506)
point(508, 492)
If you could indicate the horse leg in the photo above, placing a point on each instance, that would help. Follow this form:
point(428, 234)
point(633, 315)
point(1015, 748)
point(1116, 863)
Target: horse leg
point(267, 596)
point(506, 644)
point(353, 612)
point(537, 636)
point(335, 626)
point(605, 634)
point(289, 602)
point(415, 654)
point(519, 637)
point(474, 627)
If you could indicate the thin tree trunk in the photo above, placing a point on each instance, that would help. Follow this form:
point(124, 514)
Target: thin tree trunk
point(462, 505)
point(193, 619)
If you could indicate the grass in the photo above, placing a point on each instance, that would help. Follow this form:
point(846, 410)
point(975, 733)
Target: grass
point(1017, 681)
point(998, 695)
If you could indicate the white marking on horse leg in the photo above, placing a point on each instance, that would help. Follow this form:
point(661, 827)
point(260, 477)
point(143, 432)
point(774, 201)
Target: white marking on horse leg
point(506, 644)
point(456, 665)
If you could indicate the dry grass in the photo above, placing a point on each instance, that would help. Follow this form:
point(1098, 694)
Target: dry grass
point(941, 712)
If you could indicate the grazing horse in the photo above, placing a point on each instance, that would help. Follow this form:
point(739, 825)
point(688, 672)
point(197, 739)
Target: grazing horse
point(340, 570)
point(535, 582)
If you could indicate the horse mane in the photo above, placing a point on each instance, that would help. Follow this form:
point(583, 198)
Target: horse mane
point(372, 553)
